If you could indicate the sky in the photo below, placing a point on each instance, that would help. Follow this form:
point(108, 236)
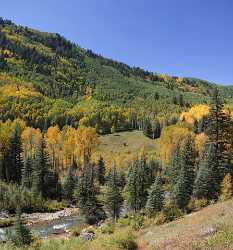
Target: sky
point(192, 38)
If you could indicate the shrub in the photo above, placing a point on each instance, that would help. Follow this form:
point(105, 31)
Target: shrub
point(123, 241)
point(108, 228)
point(137, 221)
point(197, 204)
point(77, 230)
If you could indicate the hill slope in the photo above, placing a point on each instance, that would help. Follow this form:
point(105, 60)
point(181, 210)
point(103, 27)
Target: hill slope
point(209, 228)
point(58, 82)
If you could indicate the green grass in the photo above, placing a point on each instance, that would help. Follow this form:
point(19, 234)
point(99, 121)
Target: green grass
point(124, 146)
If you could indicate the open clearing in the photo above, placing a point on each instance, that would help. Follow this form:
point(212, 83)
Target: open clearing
point(124, 146)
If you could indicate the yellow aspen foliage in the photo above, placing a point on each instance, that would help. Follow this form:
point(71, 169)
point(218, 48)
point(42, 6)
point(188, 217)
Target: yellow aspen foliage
point(53, 141)
point(170, 137)
point(87, 140)
point(200, 140)
point(30, 139)
point(70, 146)
point(226, 187)
point(195, 113)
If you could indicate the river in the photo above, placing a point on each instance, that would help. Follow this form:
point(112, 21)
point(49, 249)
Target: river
point(50, 228)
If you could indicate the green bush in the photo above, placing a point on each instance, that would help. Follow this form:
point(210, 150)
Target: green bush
point(108, 228)
point(123, 241)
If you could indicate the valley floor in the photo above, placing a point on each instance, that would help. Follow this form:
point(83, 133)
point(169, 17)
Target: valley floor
point(210, 228)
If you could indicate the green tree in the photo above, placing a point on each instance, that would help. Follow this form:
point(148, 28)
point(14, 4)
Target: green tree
point(21, 235)
point(218, 133)
point(113, 198)
point(207, 184)
point(27, 173)
point(40, 169)
point(70, 183)
point(183, 188)
point(100, 171)
point(85, 195)
point(138, 181)
point(15, 163)
point(156, 197)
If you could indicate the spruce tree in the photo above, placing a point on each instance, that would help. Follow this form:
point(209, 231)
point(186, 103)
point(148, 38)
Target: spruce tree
point(21, 235)
point(175, 165)
point(156, 197)
point(85, 195)
point(206, 183)
point(40, 169)
point(183, 188)
point(100, 171)
point(217, 131)
point(27, 173)
point(14, 162)
point(70, 183)
point(138, 181)
point(113, 198)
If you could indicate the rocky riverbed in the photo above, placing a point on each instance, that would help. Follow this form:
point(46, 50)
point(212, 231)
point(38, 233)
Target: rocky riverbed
point(40, 218)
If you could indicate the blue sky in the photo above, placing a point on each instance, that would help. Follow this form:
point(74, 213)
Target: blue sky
point(178, 37)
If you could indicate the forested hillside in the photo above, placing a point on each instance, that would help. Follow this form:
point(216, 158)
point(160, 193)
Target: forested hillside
point(126, 146)
point(47, 80)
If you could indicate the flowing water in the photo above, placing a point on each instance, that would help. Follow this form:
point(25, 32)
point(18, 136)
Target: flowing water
point(49, 228)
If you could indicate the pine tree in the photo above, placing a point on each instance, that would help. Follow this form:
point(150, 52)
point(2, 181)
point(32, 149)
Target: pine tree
point(22, 235)
point(114, 200)
point(100, 171)
point(70, 183)
point(14, 163)
point(227, 187)
point(85, 195)
point(156, 197)
point(27, 173)
point(138, 181)
point(183, 188)
point(206, 184)
point(40, 169)
point(147, 128)
point(175, 166)
point(217, 131)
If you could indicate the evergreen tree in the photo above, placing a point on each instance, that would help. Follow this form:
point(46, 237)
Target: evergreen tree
point(183, 188)
point(175, 166)
point(40, 169)
point(206, 184)
point(147, 128)
point(156, 196)
point(114, 200)
point(100, 171)
point(217, 131)
point(21, 235)
point(85, 194)
point(70, 183)
point(138, 181)
point(14, 162)
point(27, 173)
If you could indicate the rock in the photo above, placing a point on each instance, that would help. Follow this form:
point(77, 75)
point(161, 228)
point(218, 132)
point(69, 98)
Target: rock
point(87, 235)
point(4, 215)
point(208, 231)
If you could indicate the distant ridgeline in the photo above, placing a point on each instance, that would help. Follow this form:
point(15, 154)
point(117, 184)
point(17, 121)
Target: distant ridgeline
point(47, 80)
